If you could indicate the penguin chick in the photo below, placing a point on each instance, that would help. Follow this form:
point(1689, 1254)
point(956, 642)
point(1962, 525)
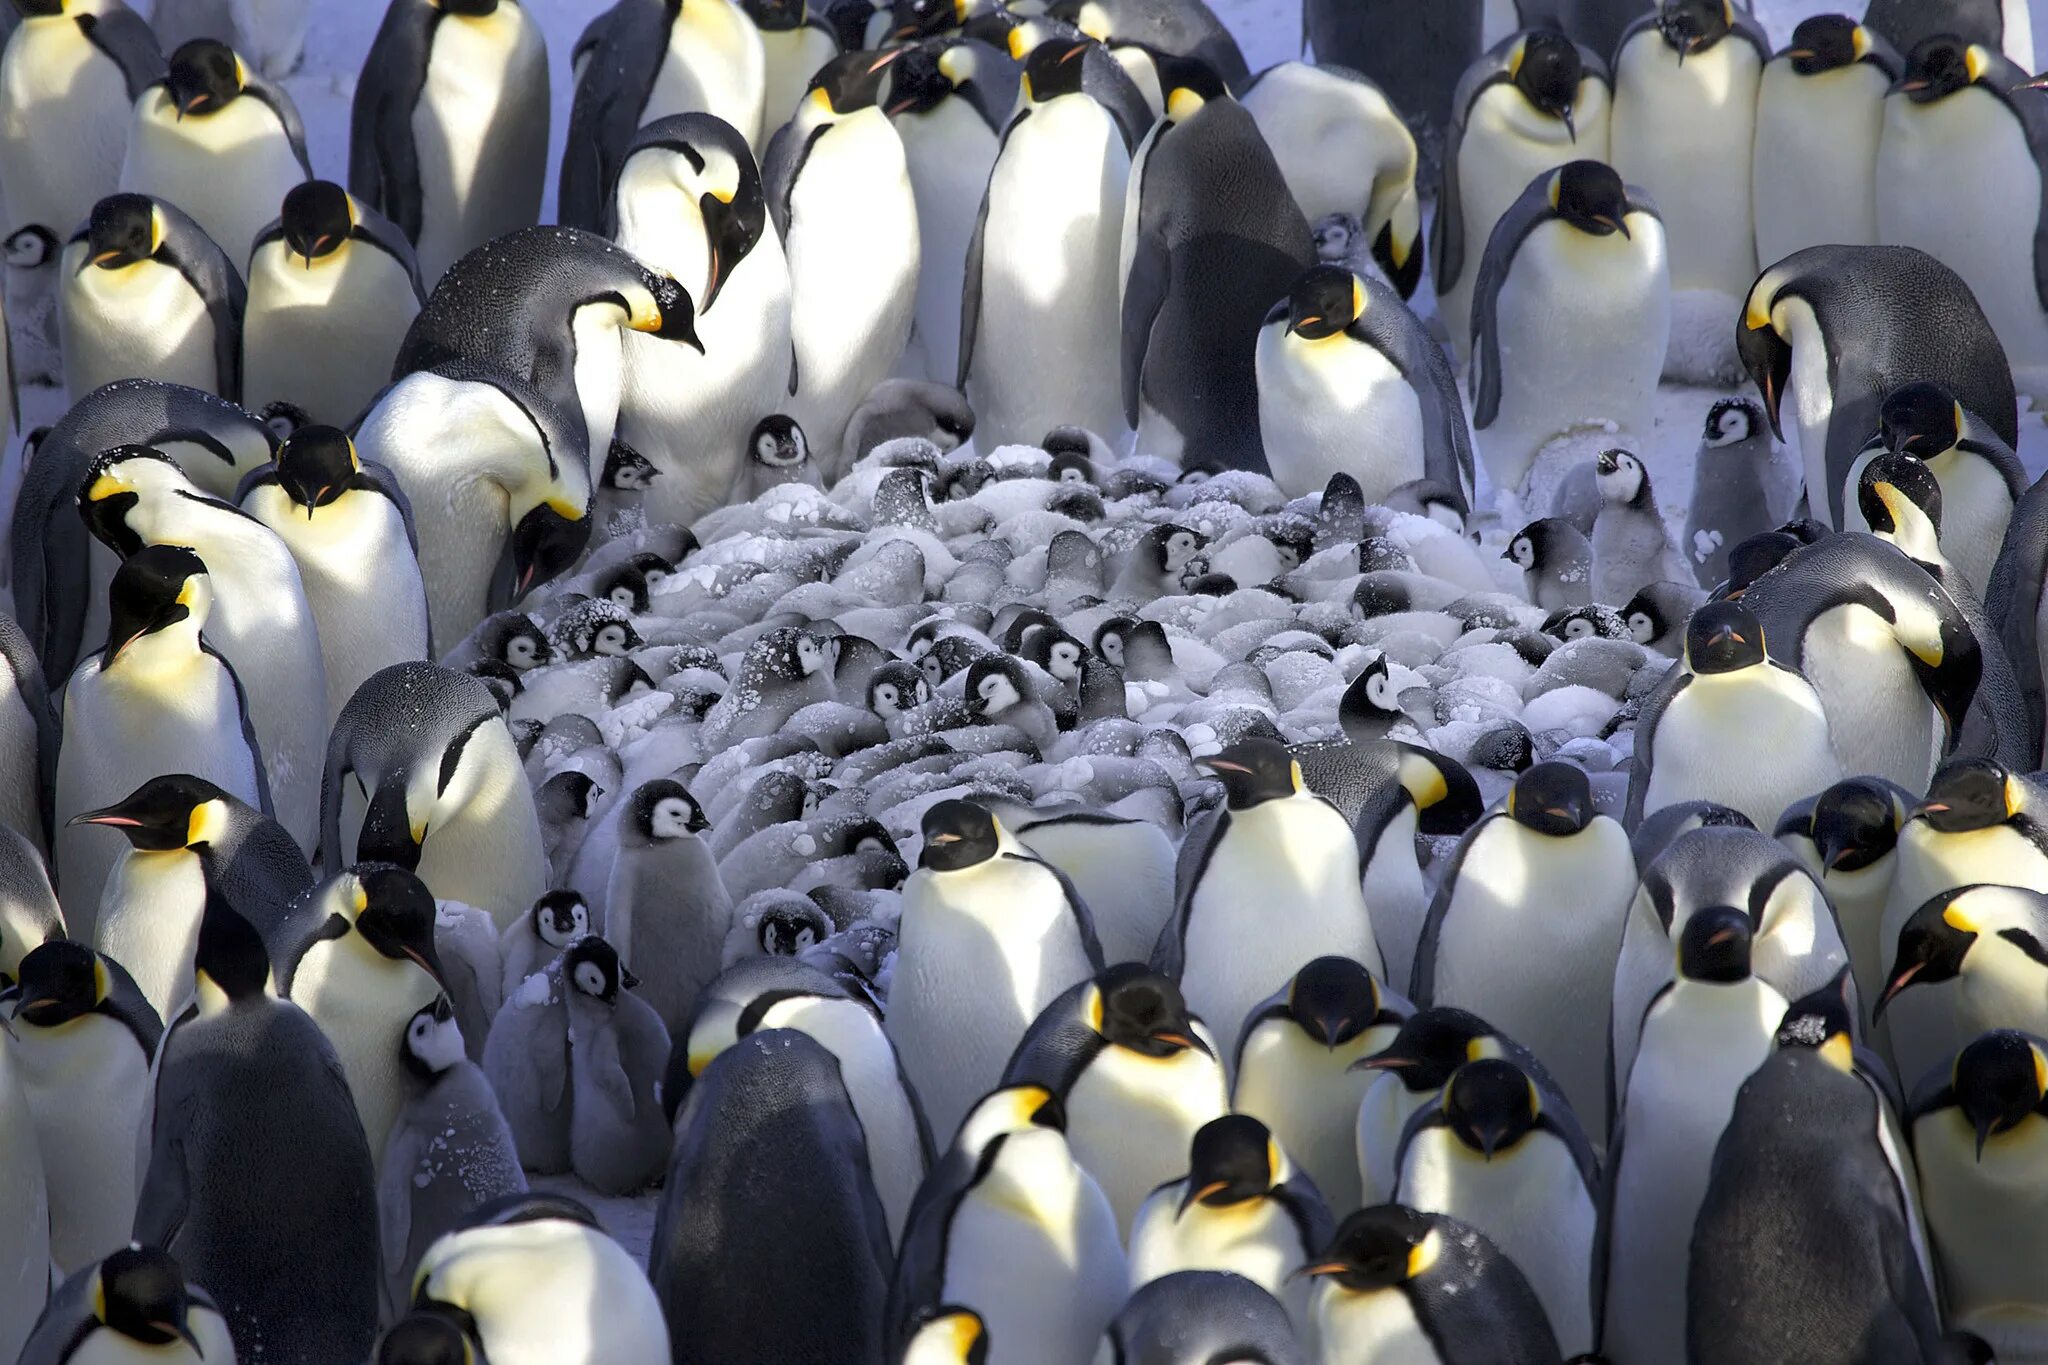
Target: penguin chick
point(1657, 614)
point(526, 1057)
point(565, 804)
point(777, 453)
point(666, 906)
point(1556, 563)
point(1736, 488)
point(1001, 692)
point(536, 938)
point(1157, 564)
point(618, 1134)
point(1631, 546)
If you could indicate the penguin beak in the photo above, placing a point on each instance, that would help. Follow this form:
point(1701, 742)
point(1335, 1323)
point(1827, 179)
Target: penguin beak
point(1222, 765)
point(1193, 1197)
point(1898, 983)
point(1381, 1061)
point(1985, 1126)
point(1177, 1038)
point(1612, 223)
point(105, 817)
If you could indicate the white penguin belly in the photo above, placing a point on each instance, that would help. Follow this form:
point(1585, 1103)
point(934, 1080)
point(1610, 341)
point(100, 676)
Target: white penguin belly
point(1976, 508)
point(149, 922)
point(1124, 874)
point(1859, 900)
point(480, 131)
point(139, 322)
point(1131, 1118)
point(1756, 740)
point(1308, 1097)
point(1382, 1117)
point(1257, 1239)
point(1814, 176)
point(86, 1081)
point(1985, 1214)
point(551, 1293)
point(599, 372)
point(1879, 717)
point(362, 1002)
point(64, 112)
point(488, 854)
point(1396, 900)
point(229, 169)
point(950, 152)
point(1379, 1326)
point(714, 65)
point(1047, 342)
point(1332, 406)
point(322, 335)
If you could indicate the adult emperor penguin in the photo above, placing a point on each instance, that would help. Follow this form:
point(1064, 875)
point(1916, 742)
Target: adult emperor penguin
point(980, 908)
point(1398, 1284)
point(1217, 240)
point(1533, 103)
point(135, 1304)
point(155, 699)
point(147, 295)
point(1685, 89)
point(82, 1037)
point(839, 191)
point(690, 203)
point(1544, 849)
point(1847, 837)
point(219, 141)
point(2001, 25)
point(449, 127)
point(1844, 326)
point(1185, 29)
point(287, 1245)
point(642, 60)
point(444, 790)
point(1192, 1316)
point(1701, 1038)
point(333, 288)
point(1276, 835)
point(1573, 288)
point(1011, 1226)
point(1819, 112)
point(1134, 1073)
point(1704, 735)
point(1351, 382)
point(1972, 955)
point(349, 529)
point(261, 621)
point(1038, 321)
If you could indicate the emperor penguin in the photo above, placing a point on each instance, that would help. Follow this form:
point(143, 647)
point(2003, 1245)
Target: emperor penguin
point(82, 1037)
point(1550, 872)
point(1841, 327)
point(840, 194)
point(1972, 953)
point(618, 1132)
point(1011, 1226)
point(666, 910)
point(1193, 1316)
point(1241, 1207)
point(1847, 837)
point(2001, 25)
point(147, 295)
point(1496, 1155)
point(1730, 723)
point(1415, 58)
point(1737, 490)
point(980, 908)
point(794, 44)
point(1350, 381)
point(1573, 288)
point(1125, 865)
point(286, 1245)
point(219, 141)
point(690, 202)
point(333, 288)
point(769, 1179)
point(261, 622)
point(535, 1280)
point(1685, 92)
point(134, 1303)
point(1533, 103)
point(448, 131)
point(349, 529)
point(1702, 1036)
point(154, 699)
point(442, 789)
point(1134, 1073)
point(639, 62)
point(1274, 842)
point(1038, 321)
point(1819, 112)
point(1396, 1283)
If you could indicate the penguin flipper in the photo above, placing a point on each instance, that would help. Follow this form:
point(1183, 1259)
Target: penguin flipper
point(1446, 442)
point(205, 265)
point(1447, 233)
point(1077, 908)
point(1666, 691)
point(393, 159)
point(20, 656)
point(2012, 598)
point(780, 166)
point(1144, 295)
point(1422, 977)
point(1603, 1231)
point(401, 1157)
point(166, 1194)
point(288, 118)
point(970, 298)
point(130, 43)
point(263, 802)
point(1169, 952)
point(1522, 218)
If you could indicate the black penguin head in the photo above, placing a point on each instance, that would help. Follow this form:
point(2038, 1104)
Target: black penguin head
point(1938, 67)
point(124, 230)
point(315, 466)
point(777, 16)
point(851, 82)
point(59, 981)
point(1826, 42)
point(559, 918)
point(1970, 793)
point(1188, 83)
point(1731, 421)
point(1324, 302)
point(154, 589)
point(1135, 1007)
point(1854, 824)
point(1934, 941)
point(110, 492)
point(778, 443)
point(1055, 67)
point(432, 1041)
point(1378, 1248)
point(667, 311)
point(625, 587)
point(1921, 419)
point(1714, 945)
point(40, 9)
point(727, 182)
point(1546, 68)
point(544, 542)
point(1255, 771)
point(520, 644)
point(1491, 1105)
point(1590, 196)
point(317, 218)
point(663, 809)
point(394, 912)
point(592, 967)
point(174, 811)
point(1333, 1000)
point(1230, 1160)
point(430, 1336)
point(1894, 491)
point(205, 74)
point(957, 835)
point(1646, 614)
point(1432, 1044)
point(1691, 26)
point(1722, 637)
point(230, 958)
point(925, 74)
point(786, 929)
point(142, 1295)
point(626, 470)
point(1541, 544)
point(1999, 1079)
point(1824, 1021)
point(1552, 798)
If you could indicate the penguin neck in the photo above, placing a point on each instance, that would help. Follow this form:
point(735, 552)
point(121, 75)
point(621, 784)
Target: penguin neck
point(661, 223)
point(1035, 1177)
point(161, 653)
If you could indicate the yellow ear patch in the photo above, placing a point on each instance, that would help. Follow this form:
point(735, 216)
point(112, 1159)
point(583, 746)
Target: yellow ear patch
point(1521, 50)
point(1423, 1255)
point(1839, 1053)
point(1976, 61)
point(1424, 781)
point(1183, 104)
point(102, 984)
point(2040, 1070)
point(1958, 919)
point(206, 823)
point(156, 230)
point(1094, 1009)
point(956, 65)
point(1556, 188)
point(1859, 42)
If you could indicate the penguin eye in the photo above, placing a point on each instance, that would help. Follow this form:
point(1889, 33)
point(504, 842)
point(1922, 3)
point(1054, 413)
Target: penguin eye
point(1578, 630)
point(1380, 692)
point(989, 685)
point(805, 937)
point(886, 694)
point(622, 596)
point(589, 979)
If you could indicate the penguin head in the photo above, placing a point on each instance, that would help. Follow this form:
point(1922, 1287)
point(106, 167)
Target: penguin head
point(1057, 65)
point(1134, 1007)
point(1431, 1045)
point(230, 963)
point(544, 542)
point(1827, 42)
point(40, 9)
point(394, 914)
point(204, 76)
point(949, 1333)
point(1070, 466)
point(1647, 615)
point(708, 160)
point(995, 683)
point(316, 465)
point(1445, 797)
point(1999, 1078)
point(1188, 83)
point(1971, 793)
point(1255, 771)
point(155, 588)
point(592, 966)
point(1333, 1000)
point(1897, 493)
point(1371, 702)
point(1590, 196)
point(430, 1336)
point(30, 247)
point(1324, 302)
point(777, 16)
point(559, 918)
point(626, 470)
point(141, 1294)
point(778, 443)
point(124, 230)
point(1009, 1109)
point(1172, 548)
point(1939, 66)
point(928, 72)
point(317, 218)
point(1723, 637)
point(663, 810)
point(1231, 1160)
point(115, 483)
point(166, 813)
point(521, 644)
point(663, 308)
point(1552, 798)
point(896, 687)
point(1546, 67)
point(625, 587)
point(1937, 938)
point(1714, 945)
point(1921, 419)
point(1765, 354)
point(432, 1041)
point(789, 927)
point(920, 19)
point(60, 981)
point(957, 835)
point(1691, 26)
point(1854, 824)
point(850, 82)
point(1622, 480)
point(1378, 1248)
point(1055, 651)
point(1730, 422)
point(1490, 1105)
